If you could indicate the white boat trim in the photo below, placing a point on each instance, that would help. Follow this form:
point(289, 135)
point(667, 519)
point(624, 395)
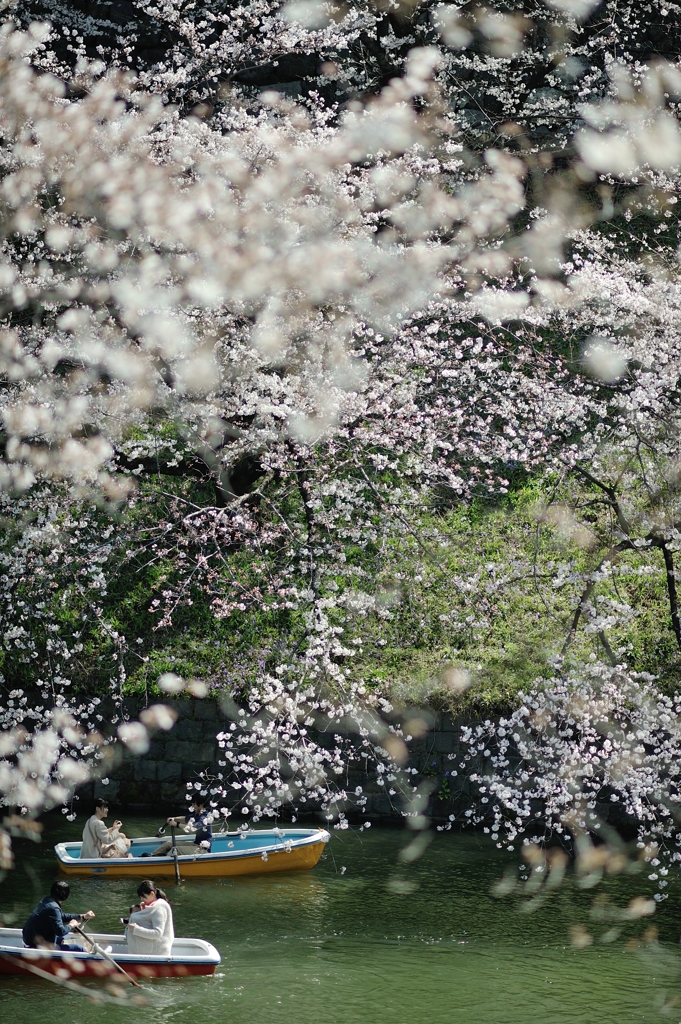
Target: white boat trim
point(204, 952)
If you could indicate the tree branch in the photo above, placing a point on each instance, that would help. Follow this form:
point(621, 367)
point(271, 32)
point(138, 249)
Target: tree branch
point(612, 495)
point(588, 590)
point(671, 586)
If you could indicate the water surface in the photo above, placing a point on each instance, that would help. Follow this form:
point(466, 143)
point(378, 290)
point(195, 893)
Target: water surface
point(352, 947)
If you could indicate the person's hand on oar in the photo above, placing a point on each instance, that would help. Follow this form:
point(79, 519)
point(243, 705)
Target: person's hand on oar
point(87, 916)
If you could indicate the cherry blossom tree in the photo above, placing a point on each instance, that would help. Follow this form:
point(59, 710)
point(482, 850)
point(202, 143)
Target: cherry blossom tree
point(328, 263)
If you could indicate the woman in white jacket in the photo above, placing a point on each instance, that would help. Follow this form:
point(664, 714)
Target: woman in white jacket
point(150, 929)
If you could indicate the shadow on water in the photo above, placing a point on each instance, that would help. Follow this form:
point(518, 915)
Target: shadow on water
point(347, 948)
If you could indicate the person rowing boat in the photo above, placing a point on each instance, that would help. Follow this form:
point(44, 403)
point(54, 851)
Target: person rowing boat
point(198, 821)
point(49, 925)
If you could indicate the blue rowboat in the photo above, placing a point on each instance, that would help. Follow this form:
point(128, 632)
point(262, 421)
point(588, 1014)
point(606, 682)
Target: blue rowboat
point(245, 852)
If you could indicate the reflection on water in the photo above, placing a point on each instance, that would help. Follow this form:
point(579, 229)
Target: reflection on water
point(351, 949)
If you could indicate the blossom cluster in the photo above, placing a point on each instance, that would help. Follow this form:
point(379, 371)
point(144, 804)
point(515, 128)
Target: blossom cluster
point(582, 751)
point(395, 277)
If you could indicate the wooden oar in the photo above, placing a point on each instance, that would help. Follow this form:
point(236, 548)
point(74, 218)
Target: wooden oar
point(173, 850)
point(102, 952)
point(178, 880)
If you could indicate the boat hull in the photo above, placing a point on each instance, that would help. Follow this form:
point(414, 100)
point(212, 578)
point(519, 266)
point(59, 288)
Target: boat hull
point(190, 957)
point(12, 964)
point(293, 853)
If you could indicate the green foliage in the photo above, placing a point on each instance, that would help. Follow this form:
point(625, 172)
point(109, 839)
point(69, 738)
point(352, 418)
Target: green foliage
point(461, 611)
point(495, 602)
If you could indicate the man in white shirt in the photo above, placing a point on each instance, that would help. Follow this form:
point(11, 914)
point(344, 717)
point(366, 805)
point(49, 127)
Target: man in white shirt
point(96, 836)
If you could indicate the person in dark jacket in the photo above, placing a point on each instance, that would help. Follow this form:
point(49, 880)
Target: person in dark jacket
point(48, 925)
point(198, 821)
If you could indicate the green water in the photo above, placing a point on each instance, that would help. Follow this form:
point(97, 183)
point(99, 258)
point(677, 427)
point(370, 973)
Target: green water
point(345, 948)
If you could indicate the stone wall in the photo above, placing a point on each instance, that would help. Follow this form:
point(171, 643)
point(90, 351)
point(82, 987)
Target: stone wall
point(157, 780)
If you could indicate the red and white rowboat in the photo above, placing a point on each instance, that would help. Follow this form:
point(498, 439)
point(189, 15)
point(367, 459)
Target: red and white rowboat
point(188, 957)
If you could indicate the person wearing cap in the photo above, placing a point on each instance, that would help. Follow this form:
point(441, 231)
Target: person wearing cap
point(49, 925)
point(197, 820)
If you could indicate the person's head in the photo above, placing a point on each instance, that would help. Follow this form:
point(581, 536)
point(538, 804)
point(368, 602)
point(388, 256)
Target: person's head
point(147, 892)
point(198, 803)
point(60, 891)
point(101, 807)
